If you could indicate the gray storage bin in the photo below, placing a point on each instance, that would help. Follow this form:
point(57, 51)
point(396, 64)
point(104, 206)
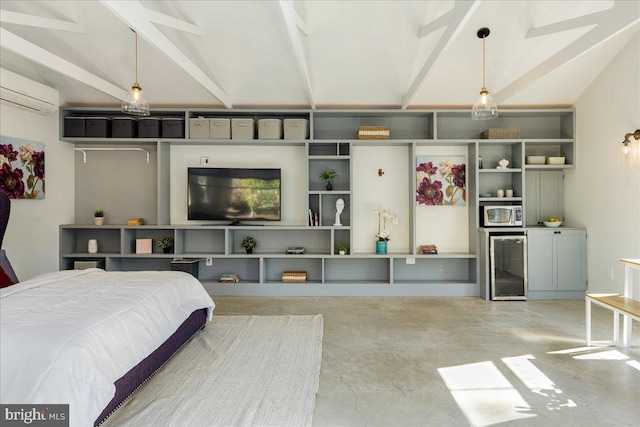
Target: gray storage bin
point(187, 265)
point(199, 128)
point(98, 127)
point(269, 129)
point(74, 127)
point(296, 128)
point(124, 127)
point(83, 265)
point(220, 128)
point(172, 127)
point(242, 129)
point(149, 127)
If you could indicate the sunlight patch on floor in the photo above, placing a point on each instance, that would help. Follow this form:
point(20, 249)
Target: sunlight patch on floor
point(602, 355)
point(634, 364)
point(484, 395)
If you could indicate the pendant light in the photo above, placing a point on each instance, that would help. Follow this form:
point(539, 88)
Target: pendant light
point(134, 103)
point(484, 108)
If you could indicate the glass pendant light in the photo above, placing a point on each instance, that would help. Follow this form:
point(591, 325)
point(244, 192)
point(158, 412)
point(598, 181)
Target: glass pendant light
point(134, 103)
point(485, 107)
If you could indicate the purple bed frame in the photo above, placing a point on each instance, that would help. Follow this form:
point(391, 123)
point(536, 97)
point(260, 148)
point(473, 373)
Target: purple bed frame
point(138, 375)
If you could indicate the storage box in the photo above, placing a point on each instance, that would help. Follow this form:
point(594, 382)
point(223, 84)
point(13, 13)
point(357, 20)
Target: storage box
point(536, 160)
point(144, 246)
point(149, 127)
point(296, 128)
point(74, 126)
point(124, 127)
point(187, 265)
point(294, 276)
point(199, 128)
point(555, 160)
point(501, 133)
point(373, 132)
point(98, 127)
point(269, 129)
point(242, 129)
point(172, 127)
point(219, 128)
point(83, 265)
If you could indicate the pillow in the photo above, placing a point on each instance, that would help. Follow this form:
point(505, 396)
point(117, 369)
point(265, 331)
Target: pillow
point(5, 280)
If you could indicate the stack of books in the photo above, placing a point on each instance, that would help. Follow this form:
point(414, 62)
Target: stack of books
point(429, 249)
point(295, 250)
point(229, 278)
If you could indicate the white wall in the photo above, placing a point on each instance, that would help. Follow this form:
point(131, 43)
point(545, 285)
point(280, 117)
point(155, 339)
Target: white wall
point(31, 240)
point(603, 192)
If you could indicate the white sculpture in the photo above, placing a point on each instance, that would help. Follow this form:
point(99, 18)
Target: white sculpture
point(503, 164)
point(339, 209)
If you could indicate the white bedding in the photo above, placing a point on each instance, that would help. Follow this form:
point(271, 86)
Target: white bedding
point(66, 337)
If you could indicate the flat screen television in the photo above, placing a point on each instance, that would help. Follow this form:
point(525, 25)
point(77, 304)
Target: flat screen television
point(234, 194)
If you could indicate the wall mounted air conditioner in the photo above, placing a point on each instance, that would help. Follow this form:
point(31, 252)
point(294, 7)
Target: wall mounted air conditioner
point(20, 92)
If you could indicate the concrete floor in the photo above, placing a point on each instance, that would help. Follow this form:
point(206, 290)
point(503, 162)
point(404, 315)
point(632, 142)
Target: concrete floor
point(462, 361)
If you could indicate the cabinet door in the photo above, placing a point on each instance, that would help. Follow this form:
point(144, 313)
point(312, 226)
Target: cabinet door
point(541, 260)
point(551, 195)
point(532, 197)
point(571, 258)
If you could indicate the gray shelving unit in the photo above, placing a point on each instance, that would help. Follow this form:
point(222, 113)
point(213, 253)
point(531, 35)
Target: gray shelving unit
point(332, 136)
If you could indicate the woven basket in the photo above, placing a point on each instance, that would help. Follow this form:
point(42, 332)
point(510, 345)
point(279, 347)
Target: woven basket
point(501, 133)
point(373, 132)
point(294, 276)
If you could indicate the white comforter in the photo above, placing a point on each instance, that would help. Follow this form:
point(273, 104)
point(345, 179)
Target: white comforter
point(66, 337)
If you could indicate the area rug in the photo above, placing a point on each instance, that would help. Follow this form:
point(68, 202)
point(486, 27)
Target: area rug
point(238, 371)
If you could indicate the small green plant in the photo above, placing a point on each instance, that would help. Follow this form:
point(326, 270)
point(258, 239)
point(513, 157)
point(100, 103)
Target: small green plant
point(343, 248)
point(165, 242)
point(329, 175)
point(99, 213)
point(248, 243)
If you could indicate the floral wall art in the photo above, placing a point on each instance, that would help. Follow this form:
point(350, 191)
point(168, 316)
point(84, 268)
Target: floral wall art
point(441, 180)
point(21, 168)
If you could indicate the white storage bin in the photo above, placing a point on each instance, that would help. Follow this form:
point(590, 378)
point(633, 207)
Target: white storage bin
point(296, 128)
point(269, 129)
point(242, 128)
point(220, 128)
point(199, 128)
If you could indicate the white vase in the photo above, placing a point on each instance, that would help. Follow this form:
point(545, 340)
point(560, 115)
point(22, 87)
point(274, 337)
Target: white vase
point(92, 246)
point(98, 220)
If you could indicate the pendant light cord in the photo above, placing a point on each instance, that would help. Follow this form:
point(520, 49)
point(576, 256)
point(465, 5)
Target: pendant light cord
point(137, 57)
point(484, 86)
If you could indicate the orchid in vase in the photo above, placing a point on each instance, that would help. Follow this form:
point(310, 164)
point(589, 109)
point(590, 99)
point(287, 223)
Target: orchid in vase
point(384, 217)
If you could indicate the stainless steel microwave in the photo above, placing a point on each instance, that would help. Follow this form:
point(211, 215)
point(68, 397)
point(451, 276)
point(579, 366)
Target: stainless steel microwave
point(502, 216)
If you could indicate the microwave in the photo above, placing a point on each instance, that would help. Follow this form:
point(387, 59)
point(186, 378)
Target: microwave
point(502, 216)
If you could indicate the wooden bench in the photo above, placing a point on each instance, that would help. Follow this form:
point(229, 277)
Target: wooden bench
point(621, 305)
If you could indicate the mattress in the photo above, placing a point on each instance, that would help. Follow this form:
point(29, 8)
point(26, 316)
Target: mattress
point(67, 337)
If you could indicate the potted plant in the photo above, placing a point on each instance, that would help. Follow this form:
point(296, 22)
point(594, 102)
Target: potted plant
point(166, 243)
point(343, 249)
point(328, 175)
point(248, 243)
point(98, 217)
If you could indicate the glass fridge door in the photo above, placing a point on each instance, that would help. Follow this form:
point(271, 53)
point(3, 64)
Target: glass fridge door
point(508, 267)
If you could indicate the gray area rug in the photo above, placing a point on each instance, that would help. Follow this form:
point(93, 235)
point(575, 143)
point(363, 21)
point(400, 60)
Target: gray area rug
point(238, 371)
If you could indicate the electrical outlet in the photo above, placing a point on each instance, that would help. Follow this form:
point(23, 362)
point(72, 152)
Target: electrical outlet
point(204, 160)
point(209, 262)
point(410, 261)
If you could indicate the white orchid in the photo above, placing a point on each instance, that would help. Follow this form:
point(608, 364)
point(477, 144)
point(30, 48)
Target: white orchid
point(384, 216)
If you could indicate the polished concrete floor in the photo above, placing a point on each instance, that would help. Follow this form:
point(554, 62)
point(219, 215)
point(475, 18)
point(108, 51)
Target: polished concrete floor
point(391, 361)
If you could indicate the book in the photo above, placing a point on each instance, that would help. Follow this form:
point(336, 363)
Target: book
point(229, 278)
point(295, 250)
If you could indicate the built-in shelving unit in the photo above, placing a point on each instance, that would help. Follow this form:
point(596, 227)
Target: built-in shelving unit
point(145, 189)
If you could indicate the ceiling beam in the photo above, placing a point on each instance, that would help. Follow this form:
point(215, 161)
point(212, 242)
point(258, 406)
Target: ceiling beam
point(292, 20)
point(10, 17)
point(453, 21)
point(170, 21)
point(610, 23)
point(25, 48)
point(137, 17)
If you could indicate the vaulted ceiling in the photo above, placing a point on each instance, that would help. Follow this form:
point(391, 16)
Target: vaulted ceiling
point(315, 54)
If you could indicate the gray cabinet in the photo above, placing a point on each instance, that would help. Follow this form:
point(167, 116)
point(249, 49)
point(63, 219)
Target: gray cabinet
point(544, 196)
point(557, 262)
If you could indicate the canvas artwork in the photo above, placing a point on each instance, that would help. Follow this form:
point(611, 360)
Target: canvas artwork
point(441, 180)
point(21, 168)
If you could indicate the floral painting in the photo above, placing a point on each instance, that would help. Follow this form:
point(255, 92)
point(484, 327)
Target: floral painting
point(21, 168)
point(441, 181)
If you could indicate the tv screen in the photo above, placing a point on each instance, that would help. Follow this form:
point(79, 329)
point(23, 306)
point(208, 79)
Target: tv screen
point(233, 194)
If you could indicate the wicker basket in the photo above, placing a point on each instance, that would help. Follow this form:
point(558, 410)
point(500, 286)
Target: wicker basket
point(294, 276)
point(373, 132)
point(501, 133)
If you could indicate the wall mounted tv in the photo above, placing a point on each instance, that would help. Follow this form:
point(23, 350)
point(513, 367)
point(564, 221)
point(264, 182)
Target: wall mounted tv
point(234, 194)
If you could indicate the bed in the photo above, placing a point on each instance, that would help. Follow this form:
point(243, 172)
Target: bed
point(89, 338)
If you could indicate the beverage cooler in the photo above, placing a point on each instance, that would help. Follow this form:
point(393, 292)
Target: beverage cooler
point(508, 267)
